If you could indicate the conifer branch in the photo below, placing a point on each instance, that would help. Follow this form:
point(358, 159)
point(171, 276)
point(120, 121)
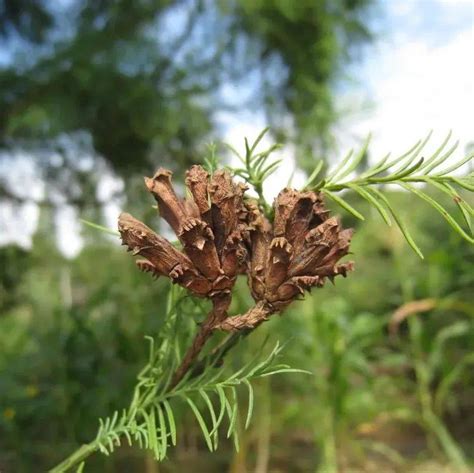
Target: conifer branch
point(412, 172)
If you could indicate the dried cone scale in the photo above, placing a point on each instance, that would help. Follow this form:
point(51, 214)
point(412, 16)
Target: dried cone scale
point(299, 251)
point(209, 224)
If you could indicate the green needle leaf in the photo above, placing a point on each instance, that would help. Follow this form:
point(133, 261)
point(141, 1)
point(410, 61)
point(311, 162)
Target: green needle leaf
point(358, 158)
point(440, 209)
point(366, 194)
point(259, 138)
point(223, 402)
point(456, 166)
point(171, 421)
point(314, 174)
point(400, 223)
point(344, 204)
point(213, 417)
point(99, 227)
point(442, 159)
point(333, 174)
point(232, 412)
point(250, 402)
point(438, 151)
point(163, 431)
point(201, 422)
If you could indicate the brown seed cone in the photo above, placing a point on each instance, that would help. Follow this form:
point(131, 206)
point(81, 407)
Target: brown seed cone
point(305, 248)
point(210, 224)
point(298, 252)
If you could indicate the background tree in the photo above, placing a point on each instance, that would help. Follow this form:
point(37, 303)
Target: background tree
point(143, 79)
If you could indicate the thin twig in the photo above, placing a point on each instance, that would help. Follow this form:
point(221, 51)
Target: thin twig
point(218, 313)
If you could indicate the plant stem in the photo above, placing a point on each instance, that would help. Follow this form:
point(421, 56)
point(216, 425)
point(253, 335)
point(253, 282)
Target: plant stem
point(76, 458)
point(267, 210)
point(217, 314)
point(255, 316)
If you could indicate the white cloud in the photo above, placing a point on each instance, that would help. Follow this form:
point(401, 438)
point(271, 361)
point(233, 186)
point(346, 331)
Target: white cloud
point(416, 88)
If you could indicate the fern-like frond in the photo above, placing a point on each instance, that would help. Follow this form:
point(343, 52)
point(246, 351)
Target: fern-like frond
point(211, 396)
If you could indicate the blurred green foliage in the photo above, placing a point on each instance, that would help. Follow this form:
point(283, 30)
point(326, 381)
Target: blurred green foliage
point(71, 339)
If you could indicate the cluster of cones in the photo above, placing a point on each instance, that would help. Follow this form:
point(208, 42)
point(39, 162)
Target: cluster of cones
point(222, 234)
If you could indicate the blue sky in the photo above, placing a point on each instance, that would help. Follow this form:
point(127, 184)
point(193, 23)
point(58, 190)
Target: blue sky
point(420, 75)
point(437, 21)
